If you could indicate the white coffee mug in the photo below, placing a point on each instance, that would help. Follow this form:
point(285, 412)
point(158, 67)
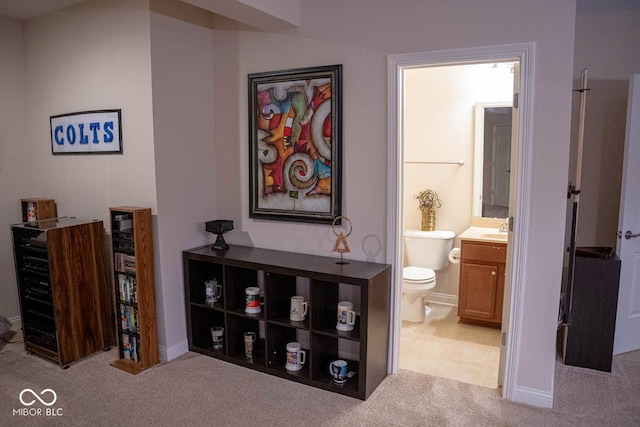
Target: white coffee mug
point(296, 357)
point(252, 299)
point(299, 308)
point(346, 316)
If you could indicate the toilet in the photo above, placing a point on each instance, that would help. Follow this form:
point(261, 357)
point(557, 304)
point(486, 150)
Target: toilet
point(426, 252)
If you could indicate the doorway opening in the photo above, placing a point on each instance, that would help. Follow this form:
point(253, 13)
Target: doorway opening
point(443, 106)
point(398, 66)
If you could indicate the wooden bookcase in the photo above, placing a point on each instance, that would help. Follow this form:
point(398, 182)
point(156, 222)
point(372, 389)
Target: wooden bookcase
point(134, 288)
point(36, 209)
point(281, 275)
point(63, 285)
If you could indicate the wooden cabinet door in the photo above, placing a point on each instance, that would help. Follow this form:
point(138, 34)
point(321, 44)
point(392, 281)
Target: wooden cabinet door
point(479, 291)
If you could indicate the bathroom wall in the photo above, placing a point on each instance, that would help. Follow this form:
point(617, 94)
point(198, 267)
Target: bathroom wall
point(439, 127)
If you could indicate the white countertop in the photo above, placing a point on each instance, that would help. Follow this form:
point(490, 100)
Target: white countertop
point(484, 234)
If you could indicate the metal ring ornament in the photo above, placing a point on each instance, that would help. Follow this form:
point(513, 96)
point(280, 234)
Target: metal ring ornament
point(334, 223)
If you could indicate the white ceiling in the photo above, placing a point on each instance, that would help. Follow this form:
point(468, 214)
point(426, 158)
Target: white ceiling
point(21, 10)
point(26, 9)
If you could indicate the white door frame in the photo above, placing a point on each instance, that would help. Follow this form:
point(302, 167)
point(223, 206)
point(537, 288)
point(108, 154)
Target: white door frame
point(396, 64)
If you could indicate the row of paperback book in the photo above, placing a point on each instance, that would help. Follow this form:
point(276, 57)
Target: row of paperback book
point(130, 349)
point(127, 288)
point(124, 262)
point(128, 318)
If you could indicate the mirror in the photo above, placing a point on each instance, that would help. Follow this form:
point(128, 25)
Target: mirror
point(491, 160)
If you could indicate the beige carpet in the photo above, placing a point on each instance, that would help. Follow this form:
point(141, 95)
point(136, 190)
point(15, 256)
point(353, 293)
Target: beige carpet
point(195, 390)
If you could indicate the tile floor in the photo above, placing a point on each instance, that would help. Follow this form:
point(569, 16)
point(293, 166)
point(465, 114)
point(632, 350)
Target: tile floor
point(445, 348)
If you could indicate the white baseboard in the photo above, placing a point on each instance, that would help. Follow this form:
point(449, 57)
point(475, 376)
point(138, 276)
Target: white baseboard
point(445, 299)
point(533, 397)
point(167, 354)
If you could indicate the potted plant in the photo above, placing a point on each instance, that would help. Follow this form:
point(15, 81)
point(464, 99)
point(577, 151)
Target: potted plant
point(428, 202)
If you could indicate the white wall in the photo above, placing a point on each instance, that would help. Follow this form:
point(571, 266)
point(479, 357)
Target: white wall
point(439, 126)
point(609, 46)
point(92, 56)
point(185, 155)
point(360, 35)
point(13, 174)
point(364, 149)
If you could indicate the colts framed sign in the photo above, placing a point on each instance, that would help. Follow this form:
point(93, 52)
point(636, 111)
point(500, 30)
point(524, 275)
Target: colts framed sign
point(87, 132)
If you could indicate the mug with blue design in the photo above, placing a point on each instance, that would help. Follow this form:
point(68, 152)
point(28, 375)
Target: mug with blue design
point(338, 371)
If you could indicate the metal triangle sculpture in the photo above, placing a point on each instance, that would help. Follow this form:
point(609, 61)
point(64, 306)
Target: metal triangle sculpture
point(341, 246)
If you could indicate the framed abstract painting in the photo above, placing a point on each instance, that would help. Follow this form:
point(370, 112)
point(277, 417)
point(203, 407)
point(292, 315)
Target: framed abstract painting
point(295, 144)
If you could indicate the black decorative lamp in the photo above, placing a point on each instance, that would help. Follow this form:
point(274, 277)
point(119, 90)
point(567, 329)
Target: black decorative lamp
point(219, 227)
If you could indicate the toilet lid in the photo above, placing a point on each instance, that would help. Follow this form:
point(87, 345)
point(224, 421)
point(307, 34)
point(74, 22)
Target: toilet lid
point(418, 274)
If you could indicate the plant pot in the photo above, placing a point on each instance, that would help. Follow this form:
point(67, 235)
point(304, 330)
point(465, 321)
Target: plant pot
point(429, 219)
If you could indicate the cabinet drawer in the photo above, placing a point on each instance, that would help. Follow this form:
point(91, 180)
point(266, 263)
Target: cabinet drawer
point(490, 252)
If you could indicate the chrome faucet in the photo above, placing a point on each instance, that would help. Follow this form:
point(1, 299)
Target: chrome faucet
point(504, 227)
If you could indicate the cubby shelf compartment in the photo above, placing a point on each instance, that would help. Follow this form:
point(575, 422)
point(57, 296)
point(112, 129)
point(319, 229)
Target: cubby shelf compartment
point(281, 275)
point(38, 209)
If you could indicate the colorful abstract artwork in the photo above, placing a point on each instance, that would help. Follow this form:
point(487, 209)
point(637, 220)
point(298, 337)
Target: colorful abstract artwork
point(295, 144)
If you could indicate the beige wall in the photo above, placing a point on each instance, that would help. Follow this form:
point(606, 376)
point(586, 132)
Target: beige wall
point(75, 60)
point(608, 45)
point(85, 59)
point(15, 178)
point(360, 37)
point(185, 157)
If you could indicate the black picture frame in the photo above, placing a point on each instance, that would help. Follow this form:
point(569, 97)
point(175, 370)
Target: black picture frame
point(295, 144)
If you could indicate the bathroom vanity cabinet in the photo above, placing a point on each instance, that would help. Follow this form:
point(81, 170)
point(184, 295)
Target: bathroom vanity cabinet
point(280, 275)
point(482, 275)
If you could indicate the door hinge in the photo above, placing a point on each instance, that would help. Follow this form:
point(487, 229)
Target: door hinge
point(511, 222)
point(515, 100)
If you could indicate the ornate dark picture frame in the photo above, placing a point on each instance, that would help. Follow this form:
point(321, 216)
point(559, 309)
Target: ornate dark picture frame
point(295, 144)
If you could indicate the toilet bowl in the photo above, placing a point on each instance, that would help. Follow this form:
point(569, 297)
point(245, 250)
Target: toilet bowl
point(417, 283)
point(426, 252)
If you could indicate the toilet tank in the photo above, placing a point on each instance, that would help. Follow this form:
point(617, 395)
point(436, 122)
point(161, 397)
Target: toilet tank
point(428, 249)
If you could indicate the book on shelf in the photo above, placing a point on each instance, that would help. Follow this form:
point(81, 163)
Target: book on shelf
point(130, 349)
point(129, 318)
point(127, 288)
point(126, 347)
point(124, 262)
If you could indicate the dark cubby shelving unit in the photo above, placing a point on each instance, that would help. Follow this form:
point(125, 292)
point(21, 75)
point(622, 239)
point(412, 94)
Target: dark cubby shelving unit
point(281, 275)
